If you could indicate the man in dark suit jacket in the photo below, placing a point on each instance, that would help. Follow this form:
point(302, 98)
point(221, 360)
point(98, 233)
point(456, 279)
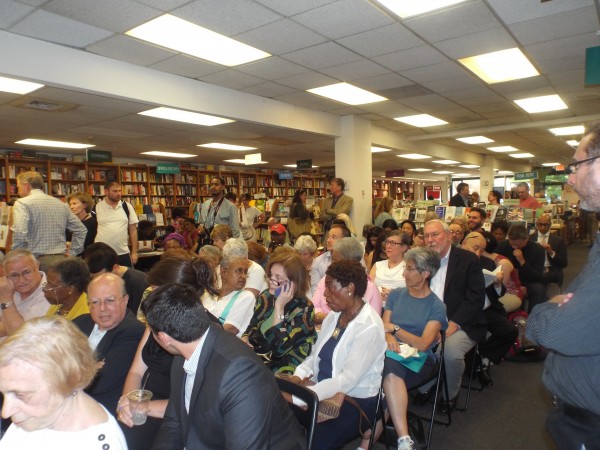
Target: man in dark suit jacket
point(222, 395)
point(114, 333)
point(528, 258)
point(556, 250)
point(459, 283)
point(462, 196)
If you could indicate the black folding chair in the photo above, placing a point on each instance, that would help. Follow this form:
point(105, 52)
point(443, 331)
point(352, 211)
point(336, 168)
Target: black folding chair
point(476, 365)
point(307, 417)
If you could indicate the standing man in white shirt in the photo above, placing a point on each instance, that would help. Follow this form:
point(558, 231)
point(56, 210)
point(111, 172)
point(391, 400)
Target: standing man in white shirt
point(117, 222)
point(40, 222)
point(556, 250)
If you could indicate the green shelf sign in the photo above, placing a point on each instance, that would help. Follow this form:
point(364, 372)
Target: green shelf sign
point(167, 167)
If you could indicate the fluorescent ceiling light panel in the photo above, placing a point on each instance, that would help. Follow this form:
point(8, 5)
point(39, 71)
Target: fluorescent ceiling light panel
point(567, 131)
point(220, 146)
point(475, 140)
point(421, 120)
point(459, 175)
point(185, 37)
point(573, 143)
point(346, 93)
point(550, 164)
point(409, 8)
point(521, 155)
point(253, 158)
point(168, 154)
point(500, 66)
point(58, 144)
point(505, 172)
point(469, 166)
point(243, 161)
point(541, 104)
point(442, 172)
point(18, 86)
point(379, 150)
point(419, 170)
point(413, 156)
point(180, 115)
point(294, 166)
point(446, 161)
point(503, 149)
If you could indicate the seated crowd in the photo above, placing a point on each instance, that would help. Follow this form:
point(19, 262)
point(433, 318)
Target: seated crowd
point(190, 328)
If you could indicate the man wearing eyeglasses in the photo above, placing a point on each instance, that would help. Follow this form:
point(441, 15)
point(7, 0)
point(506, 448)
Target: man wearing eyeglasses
point(566, 324)
point(113, 333)
point(526, 200)
point(21, 295)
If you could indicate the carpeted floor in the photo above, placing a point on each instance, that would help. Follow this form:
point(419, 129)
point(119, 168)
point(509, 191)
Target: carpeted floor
point(511, 414)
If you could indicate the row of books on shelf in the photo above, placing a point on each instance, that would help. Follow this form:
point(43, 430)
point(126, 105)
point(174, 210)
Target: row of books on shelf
point(67, 188)
point(101, 175)
point(66, 173)
point(133, 189)
point(161, 189)
point(134, 175)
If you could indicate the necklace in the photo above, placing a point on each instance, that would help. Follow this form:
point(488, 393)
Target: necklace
point(338, 329)
point(60, 312)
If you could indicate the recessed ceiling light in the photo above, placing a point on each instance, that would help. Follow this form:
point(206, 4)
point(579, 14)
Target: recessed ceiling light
point(379, 150)
point(346, 93)
point(408, 8)
point(567, 131)
point(185, 37)
point(469, 166)
point(58, 144)
point(573, 143)
point(413, 156)
point(541, 104)
point(221, 146)
point(446, 161)
point(550, 164)
point(459, 175)
point(505, 172)
point(180, 115)
point(442, 172)
point(521, 155)
point(419, 170)
point(294, 166)
point(500, 66)
point(503, 149)
point(168, 154)
point(18, 86)
point(243, 161)
point(475, 140)
point(421, 120)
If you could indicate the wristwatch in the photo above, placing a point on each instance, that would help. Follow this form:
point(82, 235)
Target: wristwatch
point(282, 317)
point(5, 305)
point(396, 328)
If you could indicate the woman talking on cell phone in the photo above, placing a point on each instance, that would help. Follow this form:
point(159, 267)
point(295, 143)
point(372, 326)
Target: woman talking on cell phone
point(282, 329)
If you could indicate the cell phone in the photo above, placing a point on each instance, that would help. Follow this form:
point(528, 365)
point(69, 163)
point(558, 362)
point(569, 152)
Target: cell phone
point(279, 289)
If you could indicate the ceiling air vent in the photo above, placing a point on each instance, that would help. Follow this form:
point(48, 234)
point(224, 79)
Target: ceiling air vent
point(41, 104)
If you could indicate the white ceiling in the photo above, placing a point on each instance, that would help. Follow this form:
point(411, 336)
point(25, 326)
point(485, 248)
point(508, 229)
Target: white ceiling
point(412, 62)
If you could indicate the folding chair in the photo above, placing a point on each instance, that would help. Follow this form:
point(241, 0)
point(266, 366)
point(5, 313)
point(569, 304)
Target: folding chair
point(307, 417)
point(475, 363)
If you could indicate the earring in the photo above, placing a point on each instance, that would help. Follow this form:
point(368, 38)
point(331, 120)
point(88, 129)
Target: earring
point(349, 294)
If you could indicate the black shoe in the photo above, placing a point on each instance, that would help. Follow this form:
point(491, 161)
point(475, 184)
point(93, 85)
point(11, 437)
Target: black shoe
point(420, 398)
point(484, 377)
point(449, 405)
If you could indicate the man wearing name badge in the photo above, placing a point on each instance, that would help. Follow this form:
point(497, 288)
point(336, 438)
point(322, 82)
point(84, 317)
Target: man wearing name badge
point(40, 222)
point(217, 210)
point(566, 324)
point(117, 222)
point(222, 395)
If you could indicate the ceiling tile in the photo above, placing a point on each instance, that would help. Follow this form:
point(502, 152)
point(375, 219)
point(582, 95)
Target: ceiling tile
point(268, 89)
point(355, 70)
point(435, 72)
point(323, 55)
point(164, 5)
point(291, 8)
point(232, 79)
point(480, 43)
point(131, 50)
point(410, 58)
point(565, 47)
point(451, 83)
point(448, 23)
point(296, 37)
point(113, 15)
point(513, 11)
point(187, 66)
point(228, 17)
point(382, 82)
point(12, 12)
point(272, 68)
point(51, 27)
point(339, 19)
point(307, 80)
point(387, 39)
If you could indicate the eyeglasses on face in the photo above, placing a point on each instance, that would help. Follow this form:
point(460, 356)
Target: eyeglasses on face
point(391, 242)
point(25, 274)
point(574, 166)
point(47, 289)
point(109, 302)
point(277, 282)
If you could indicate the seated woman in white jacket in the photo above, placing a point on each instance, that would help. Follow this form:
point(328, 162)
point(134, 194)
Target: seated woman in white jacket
point(348, 356)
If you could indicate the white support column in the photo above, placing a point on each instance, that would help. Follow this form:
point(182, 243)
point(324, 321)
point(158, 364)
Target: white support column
point(353, 164)
point(486, 177)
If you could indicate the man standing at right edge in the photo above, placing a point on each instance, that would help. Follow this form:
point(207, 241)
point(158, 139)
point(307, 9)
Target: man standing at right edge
point(566, 325)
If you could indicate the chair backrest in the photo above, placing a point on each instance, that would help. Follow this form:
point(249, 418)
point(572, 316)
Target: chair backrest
point(307, 417)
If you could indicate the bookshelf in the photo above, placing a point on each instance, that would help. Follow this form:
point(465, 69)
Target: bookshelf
point(395, 189)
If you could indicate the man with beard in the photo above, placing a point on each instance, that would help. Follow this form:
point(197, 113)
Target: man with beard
point(564, 325)
point(217, 210)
